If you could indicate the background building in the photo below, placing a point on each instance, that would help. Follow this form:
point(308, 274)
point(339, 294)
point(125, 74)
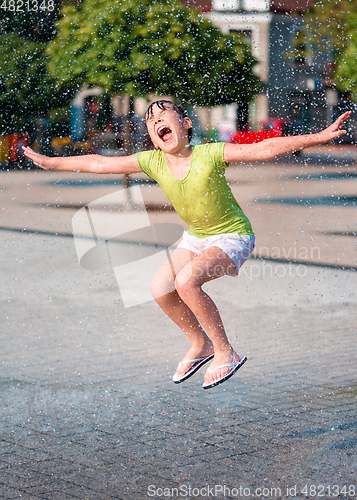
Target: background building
point(297, 88)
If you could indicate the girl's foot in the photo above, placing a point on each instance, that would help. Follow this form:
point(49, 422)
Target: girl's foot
point(217, 370)
point(194, 353)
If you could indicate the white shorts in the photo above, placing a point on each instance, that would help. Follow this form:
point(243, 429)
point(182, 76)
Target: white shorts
point(237, 246)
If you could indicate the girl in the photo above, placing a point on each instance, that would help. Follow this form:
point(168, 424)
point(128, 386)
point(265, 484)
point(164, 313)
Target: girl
point(220, 237)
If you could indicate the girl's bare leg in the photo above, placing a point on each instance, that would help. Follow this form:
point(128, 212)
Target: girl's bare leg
point(166, 296)
point(209, 265)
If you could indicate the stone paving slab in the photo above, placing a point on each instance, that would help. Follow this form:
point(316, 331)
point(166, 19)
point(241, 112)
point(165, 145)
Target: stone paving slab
point(89, 410)
point(299, 212)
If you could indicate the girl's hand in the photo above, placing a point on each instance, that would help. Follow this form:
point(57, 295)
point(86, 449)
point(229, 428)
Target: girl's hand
point(39, 160)
point(334, 130)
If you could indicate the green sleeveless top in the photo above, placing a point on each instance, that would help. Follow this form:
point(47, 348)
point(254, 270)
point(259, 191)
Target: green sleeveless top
point(203, 198)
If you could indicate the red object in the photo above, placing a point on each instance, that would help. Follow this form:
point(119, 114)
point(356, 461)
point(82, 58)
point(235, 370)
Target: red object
point(14, 146)
point(266, 130)
point(16, 141)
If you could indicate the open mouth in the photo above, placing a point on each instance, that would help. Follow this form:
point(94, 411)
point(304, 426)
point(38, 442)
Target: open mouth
point(165, 133)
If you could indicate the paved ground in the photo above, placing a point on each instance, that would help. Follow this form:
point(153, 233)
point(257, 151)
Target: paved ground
point(89, 409)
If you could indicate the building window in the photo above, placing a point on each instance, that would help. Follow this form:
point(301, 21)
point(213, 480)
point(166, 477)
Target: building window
point(241, 5)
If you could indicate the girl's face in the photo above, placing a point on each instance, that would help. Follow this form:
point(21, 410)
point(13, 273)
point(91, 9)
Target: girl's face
point(168, 129)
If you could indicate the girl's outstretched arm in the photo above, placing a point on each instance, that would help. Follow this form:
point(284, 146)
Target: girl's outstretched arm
point(95, 164)
point(277, 146)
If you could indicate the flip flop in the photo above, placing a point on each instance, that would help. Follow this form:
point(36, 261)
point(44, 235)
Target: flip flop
point(234, 366)
point(197, 363)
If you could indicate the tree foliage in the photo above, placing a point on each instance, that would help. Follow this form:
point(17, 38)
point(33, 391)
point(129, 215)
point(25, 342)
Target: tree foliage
point(26, 22)
point(332, 25)
point(142, 47)
point(335, 20)
point(26, 88)
point(346, 72)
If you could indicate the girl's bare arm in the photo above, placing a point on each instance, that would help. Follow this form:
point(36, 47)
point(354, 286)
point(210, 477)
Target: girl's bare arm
point(95, 164)
point(271, 148)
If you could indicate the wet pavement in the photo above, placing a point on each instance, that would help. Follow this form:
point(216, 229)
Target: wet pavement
point(89, 408)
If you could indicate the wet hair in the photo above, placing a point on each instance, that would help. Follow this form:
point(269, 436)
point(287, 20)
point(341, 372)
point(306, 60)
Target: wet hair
point(163, 104)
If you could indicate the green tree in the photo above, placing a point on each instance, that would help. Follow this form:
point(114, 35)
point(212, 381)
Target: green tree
point(332, 20)
point(26, 87)
point(346, 72)
point(332, 26)
point(27, 22)
point(142, 47)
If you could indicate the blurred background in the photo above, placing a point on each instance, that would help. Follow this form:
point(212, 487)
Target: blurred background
point(76, 77)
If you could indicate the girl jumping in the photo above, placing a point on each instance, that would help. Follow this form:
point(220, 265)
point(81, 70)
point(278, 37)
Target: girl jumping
point(220, 237)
